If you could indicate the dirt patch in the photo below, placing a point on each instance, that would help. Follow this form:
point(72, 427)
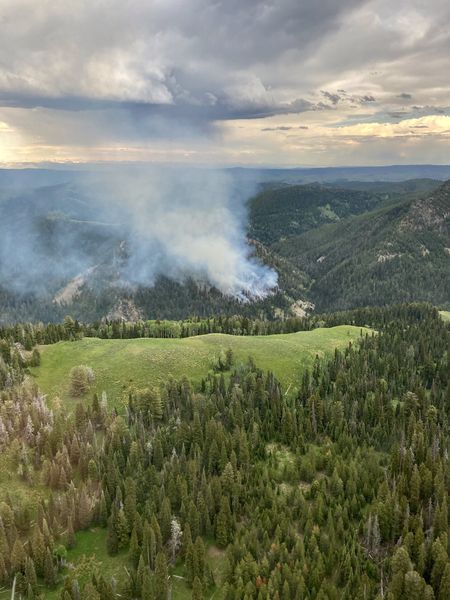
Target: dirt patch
point(125, 310)
point(387, 257)
point(68, 293)
point(215, 552)
point(300, 308)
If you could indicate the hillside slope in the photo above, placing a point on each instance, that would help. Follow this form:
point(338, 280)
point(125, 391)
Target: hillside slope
point(119, 364)
point(287, 211)
point(292, 210)
point(397, 252)
point(337, 247)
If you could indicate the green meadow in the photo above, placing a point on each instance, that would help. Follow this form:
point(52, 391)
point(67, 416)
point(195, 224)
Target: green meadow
point(445, 315)
point(121, 364)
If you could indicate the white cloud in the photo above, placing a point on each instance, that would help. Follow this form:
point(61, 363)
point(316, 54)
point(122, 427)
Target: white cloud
point(155, 76)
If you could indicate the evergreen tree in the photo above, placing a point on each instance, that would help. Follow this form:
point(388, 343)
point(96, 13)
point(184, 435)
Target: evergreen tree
point(49, 569)
point(161, 577)
point(197, 589)
point(444, 588)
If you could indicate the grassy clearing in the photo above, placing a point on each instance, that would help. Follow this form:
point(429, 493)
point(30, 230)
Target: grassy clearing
point(445, 315)
point(119, 364)
point(91, 544)
point(282, 455)
point(216, 560)
point(13, 485)
point(289, 471)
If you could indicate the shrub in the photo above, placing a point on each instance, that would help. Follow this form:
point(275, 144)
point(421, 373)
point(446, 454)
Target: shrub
point(81, 378)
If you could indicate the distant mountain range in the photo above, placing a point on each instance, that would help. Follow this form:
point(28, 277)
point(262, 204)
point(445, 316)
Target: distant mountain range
point(38, 177)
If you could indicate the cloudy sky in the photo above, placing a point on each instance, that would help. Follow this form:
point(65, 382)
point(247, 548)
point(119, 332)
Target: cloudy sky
point(273, 82)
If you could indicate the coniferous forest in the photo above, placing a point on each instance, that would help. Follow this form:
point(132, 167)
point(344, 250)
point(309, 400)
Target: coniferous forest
point(224, 300)
point(339, 491)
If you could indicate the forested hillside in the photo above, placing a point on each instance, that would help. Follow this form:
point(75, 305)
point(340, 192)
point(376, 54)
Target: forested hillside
point(397, 251)
point(291, 210)
point(235, 488)
point(333, 247)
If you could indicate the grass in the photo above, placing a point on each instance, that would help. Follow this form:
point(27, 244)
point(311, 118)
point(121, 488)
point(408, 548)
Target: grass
point(282, 455)
point(12, 485)
point(119, 364)
point(92, 545)
point(216, 560)
point(445, 315)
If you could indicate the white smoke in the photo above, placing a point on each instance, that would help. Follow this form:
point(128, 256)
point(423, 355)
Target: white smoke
point(185, 224)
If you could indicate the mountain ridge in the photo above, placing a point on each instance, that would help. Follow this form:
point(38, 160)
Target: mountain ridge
point(332, 247)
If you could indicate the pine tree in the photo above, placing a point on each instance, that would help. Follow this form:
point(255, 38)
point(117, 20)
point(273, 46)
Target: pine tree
point(79, 384)
point(18, 556)
point(228, 479)
point(70, 535)
point(30, 574)
point(197, 589)
point(49, 569)
point(38, 550)
point(142, 568)
point(199, 558)
point(223, 523)
point(3, 572)
point(440, 559)
point(401, 564)
point(444, 588)
point(112, 540)
point(83, 512)
point(414, 586)
point(130, 501)
point(190, 563)
point(135, 550)
point(90, 593)
point(161, 577)
point(147, 587)
point(414, 490)
point(121, 527)
point(165, 520)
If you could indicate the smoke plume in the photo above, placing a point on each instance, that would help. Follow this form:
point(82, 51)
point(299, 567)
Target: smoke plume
point(179, 223)
point(186, 223)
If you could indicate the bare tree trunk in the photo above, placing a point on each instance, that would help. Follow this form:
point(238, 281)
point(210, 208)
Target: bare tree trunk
point(13, 591)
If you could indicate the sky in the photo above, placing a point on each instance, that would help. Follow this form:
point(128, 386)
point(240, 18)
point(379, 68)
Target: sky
point(225, 82)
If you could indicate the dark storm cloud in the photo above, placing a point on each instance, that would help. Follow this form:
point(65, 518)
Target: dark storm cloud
point(342, 96)
point(93, 72)
point(284, 128)
point(333, 98)
point(196, 60)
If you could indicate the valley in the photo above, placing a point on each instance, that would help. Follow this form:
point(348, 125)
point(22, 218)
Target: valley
point(332, 246)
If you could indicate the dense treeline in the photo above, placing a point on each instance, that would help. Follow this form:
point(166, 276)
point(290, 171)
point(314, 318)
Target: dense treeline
point(30, 335)
point(339, 493)
point(167, 299)
point(291, 210)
